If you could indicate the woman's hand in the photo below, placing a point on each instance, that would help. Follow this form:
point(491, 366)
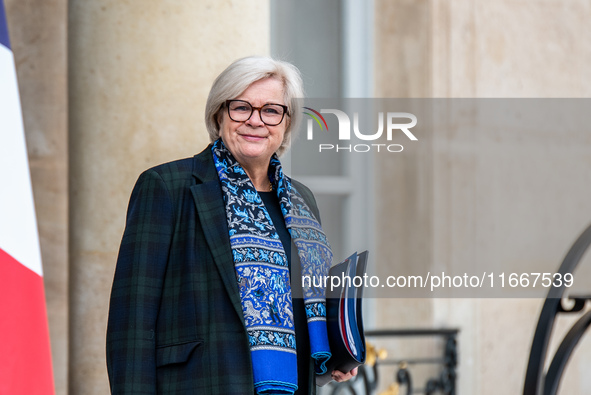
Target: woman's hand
point(339, 376)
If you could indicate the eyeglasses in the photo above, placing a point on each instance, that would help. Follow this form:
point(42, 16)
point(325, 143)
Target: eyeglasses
point(241, 111)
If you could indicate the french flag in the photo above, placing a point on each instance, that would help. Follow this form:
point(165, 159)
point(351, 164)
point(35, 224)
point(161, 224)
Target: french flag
point(25, 357)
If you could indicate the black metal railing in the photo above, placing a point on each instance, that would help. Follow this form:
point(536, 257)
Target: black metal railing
point(368, 378)
point(538, 382)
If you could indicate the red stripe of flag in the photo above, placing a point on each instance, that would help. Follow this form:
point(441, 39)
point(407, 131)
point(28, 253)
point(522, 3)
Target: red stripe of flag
point(25, 357)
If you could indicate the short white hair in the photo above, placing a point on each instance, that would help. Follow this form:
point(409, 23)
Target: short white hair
point(242, 73)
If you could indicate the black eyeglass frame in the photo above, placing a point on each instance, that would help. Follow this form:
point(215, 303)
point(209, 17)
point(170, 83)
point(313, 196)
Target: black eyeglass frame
point(252, 108)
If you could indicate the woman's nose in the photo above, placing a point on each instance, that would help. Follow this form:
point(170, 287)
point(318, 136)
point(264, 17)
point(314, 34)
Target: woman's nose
point(255, 118)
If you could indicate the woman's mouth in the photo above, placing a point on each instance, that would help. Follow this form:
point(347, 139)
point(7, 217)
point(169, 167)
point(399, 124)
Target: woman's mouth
point(252, 137)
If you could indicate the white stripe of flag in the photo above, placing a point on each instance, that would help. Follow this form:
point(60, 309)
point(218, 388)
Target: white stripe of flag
point(18, 226)
point(25, 357)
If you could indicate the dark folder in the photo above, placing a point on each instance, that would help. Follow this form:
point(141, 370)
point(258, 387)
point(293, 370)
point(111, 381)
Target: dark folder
point(344, 316)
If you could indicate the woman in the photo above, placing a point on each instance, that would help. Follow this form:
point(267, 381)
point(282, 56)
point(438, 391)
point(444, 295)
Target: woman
point(201, 299)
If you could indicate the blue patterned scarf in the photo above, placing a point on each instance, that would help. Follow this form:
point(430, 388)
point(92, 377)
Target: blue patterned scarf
point(263, 274)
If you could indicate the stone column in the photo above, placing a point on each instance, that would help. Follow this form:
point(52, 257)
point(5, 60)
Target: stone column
point(139, 76)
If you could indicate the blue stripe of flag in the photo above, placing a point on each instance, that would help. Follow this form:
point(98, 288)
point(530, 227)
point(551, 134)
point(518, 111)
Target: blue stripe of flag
point(3, 27)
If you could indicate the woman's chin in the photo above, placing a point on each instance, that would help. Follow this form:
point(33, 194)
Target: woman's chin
point(253, 154)
point(255, 150)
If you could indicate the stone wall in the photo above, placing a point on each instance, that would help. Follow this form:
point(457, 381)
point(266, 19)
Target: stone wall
point(480, 198)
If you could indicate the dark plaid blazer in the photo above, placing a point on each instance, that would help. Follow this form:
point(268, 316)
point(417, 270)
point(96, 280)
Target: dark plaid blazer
point(175, 318)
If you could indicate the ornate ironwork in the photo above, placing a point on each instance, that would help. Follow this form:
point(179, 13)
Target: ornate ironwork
point(368, 377)
point(536, 381)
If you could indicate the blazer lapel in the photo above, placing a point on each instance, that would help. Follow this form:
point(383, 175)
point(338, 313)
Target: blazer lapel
point(212, 214)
